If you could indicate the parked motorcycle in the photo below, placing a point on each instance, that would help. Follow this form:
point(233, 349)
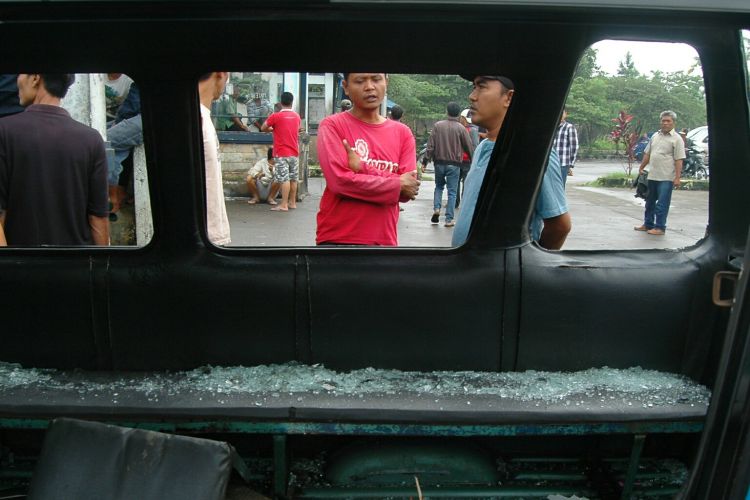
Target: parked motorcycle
point(420, 156)
point(694, 165)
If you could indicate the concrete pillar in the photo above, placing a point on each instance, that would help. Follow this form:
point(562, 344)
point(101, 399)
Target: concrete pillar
point(86, 103)
point(144, 223)
point(304, 161)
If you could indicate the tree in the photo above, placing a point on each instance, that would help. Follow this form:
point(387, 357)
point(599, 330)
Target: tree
point(587, 67)
point(594, 98)
point(621, 129)
point(591, 108)
point(626, 67)
point(424, 97)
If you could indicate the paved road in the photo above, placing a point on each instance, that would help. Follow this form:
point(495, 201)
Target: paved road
point(602, 218)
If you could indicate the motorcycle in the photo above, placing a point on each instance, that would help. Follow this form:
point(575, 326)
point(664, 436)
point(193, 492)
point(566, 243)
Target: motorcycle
point(694, 165)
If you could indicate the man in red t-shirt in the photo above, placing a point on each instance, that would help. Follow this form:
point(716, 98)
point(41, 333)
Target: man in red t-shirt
point(285, 127)
point(369, 164)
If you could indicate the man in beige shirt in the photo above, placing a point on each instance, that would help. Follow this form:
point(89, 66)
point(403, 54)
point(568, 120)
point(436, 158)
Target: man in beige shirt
point(663, 158)
point(210, 88)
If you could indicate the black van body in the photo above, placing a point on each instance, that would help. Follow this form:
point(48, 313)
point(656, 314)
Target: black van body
point(180, 302)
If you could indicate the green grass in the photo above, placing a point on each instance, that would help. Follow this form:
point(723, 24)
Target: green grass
point(615, 179)
point(620, 180)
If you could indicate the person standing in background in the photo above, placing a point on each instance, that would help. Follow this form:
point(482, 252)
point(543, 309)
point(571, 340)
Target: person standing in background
point(566, 145)
point(663, 158)
point(53, 171)
point(210, 88)
point(448, 141)
point(550, 222)
point(369, 165)
point(397, 112)
point(285, 126)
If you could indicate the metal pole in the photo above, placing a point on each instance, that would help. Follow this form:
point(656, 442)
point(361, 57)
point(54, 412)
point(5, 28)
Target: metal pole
point(280, 465)
point(635, 458)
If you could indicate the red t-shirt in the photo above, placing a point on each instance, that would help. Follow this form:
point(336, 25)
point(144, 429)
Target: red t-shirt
point(285, 125)
point(362, 208)
point(465, 158)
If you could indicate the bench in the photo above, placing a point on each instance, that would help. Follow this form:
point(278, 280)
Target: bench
point(293, 399)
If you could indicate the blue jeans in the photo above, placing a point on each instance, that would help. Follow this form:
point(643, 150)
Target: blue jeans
point(446, 173)
point(657, 204)
point(123, 137)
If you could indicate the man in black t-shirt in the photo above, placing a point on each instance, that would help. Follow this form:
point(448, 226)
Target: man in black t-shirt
point(53, 171)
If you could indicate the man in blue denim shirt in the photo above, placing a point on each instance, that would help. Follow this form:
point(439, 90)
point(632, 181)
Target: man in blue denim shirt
point(550, 223)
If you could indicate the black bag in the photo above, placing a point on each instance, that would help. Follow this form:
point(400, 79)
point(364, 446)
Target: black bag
point(641, 185)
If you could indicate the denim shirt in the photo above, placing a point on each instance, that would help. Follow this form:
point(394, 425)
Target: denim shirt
point(551, 201)
point(472, 184)
point(131, 106)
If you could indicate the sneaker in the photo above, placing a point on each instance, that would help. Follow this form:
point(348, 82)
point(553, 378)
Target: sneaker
point(640, 228)
point(655, 232)
point(450, 223)
point(435, 217)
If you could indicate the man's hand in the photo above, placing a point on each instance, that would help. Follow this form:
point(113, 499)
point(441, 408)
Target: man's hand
point(646, 159)
point(409, 185)
point(555, 231)
point(676, 183)
point(236, 120)
point(354, 161)
point(3, 241)
point(99, 230)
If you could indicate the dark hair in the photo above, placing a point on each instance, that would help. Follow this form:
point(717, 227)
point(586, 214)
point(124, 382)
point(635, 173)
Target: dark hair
point(453, 109)
point(204, 77)
point(270, 153)
point(58, 84)
point(397, 112)
point(287, 98)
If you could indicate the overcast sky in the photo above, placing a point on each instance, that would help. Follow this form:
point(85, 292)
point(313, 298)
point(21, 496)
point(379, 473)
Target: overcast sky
point(648, 56)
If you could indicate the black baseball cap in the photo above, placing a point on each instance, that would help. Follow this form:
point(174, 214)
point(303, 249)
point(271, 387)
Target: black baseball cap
point(507, 82)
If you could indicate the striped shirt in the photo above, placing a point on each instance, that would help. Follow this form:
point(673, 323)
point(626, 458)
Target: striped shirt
point(566, 144)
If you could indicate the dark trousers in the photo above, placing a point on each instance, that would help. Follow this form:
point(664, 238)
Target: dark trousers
point(461, 178)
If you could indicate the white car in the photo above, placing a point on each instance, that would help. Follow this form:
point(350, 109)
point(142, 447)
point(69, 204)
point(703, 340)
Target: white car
point(699, 136)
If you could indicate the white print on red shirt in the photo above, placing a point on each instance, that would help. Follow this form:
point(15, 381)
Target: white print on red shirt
point(363, 151)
